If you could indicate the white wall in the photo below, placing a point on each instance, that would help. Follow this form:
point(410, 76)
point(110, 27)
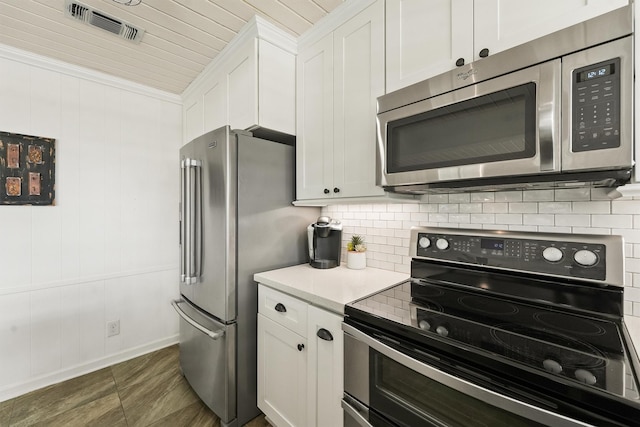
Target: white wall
point(386, 226)
point(108, 249)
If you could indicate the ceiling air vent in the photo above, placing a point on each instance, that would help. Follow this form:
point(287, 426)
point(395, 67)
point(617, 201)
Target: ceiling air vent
point(101, 20)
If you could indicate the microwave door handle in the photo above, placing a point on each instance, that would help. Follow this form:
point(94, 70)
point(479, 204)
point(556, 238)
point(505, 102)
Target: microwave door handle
point(546, 138)
point(549, 100)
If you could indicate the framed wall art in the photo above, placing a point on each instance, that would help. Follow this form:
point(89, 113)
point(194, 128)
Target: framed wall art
point(27, 169)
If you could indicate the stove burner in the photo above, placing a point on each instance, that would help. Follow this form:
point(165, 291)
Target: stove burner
point(429, 305)
point(481, 304)
point(423, 294)
point(572, 324)
point(536, 346)
point(424, 290)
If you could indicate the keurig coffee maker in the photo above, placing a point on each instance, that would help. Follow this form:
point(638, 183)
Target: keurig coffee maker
point(325, 242)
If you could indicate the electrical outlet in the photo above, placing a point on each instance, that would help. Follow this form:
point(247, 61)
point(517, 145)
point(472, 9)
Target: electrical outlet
point(113, 328)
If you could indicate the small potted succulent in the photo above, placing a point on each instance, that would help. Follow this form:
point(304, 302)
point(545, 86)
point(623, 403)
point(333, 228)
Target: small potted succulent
point(356, 253)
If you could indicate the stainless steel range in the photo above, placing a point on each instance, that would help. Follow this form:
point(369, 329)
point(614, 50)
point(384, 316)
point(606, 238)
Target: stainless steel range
point(495, 328)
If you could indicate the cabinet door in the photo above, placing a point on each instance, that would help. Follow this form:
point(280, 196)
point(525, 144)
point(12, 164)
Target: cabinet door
point(276, 88)
point(426, 38)
point(358, 80)
point(501, 24)
point(242, 77)
point(325, 368)
point(192, 116)
point(215, 105)
point(314, 124)
point(282, 374)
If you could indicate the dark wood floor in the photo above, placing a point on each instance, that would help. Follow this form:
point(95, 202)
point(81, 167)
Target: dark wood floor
point(146, 391)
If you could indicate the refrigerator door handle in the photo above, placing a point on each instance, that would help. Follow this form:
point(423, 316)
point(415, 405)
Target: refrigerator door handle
point(212, 334)
point(192, 244)
point(186, 207)
point(183, 220)
point(197, 224)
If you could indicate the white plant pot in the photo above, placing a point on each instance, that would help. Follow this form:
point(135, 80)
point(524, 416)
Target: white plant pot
point(356, 260)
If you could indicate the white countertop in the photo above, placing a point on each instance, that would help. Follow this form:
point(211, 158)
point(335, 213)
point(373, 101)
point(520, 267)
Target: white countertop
point(330, 288)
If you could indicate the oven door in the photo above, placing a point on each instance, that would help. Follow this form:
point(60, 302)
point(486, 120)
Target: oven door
point(509, 125)
point(386, 387)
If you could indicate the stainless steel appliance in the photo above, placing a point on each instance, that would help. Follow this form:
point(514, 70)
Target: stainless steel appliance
point(495, 329)
point(554, 112)
point(236, 220)
point(325, 242)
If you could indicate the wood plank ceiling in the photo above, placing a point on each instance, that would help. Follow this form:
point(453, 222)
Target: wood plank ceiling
point(181, 36)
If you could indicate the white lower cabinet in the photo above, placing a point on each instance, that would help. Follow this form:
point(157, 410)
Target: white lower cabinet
point(282, 374)
point(325, 362)
point(300, 365)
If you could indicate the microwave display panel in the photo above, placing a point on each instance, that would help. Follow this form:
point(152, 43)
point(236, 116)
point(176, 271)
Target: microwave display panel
point(596, 107)
point(595, 73)
point(494, 127)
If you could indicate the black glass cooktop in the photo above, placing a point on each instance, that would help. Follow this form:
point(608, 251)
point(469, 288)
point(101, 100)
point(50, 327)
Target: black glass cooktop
point(539, 334)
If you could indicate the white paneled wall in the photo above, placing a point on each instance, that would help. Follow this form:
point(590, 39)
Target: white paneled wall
point(386, 226)
point(108, 249)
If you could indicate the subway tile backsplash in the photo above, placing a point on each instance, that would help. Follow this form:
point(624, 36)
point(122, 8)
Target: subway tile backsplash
point(589, 211)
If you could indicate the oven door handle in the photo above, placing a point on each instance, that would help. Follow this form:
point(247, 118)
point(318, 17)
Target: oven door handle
point(355, 414)
point(468, 388)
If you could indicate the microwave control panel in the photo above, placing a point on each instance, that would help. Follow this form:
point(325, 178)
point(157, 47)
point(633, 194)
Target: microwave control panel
point(596, 106)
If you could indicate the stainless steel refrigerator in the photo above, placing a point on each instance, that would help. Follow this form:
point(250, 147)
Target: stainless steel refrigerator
point(236, 219)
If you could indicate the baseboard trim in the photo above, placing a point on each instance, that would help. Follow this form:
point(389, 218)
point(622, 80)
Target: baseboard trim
point(32, 384)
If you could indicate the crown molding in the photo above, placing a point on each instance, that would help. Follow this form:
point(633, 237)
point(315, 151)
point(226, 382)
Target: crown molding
point(40, 61)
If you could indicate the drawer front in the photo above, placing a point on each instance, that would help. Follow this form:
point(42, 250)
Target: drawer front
point(283, 309)
point(209, 364)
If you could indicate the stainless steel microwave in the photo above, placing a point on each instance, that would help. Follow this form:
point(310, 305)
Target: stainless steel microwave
point(552, 113)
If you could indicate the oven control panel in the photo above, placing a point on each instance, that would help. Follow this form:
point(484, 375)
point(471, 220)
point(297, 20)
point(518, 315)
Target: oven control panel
point(569, 258)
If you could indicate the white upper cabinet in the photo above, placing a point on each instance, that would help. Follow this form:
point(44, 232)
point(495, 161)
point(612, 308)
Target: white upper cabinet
point(339, 77)
point(358, 79)
point(427, 38)
point(314, 143)
point(250, 84)
point(502, 24)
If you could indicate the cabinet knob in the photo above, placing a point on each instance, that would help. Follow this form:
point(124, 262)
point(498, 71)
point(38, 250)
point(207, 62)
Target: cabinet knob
point(336, 190)
point(300, 347)
point(281, 308)
point(460, 62)
point(484, 53)
point(324, 334)
point(326, 191)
